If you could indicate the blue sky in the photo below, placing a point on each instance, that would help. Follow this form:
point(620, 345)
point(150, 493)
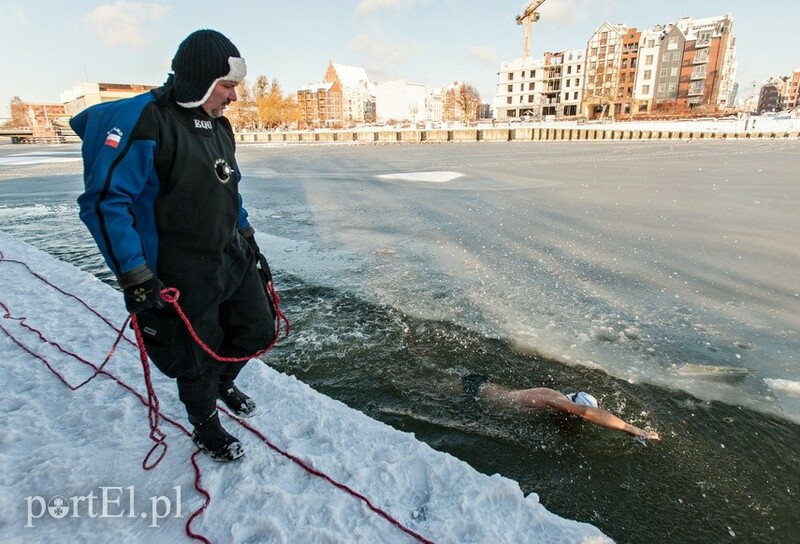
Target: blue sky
point(48, 46)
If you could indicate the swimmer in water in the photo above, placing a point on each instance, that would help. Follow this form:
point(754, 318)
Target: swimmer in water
point(580, 404)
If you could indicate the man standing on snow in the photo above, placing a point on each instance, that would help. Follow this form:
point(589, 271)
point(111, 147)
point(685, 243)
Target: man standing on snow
point(162, 202)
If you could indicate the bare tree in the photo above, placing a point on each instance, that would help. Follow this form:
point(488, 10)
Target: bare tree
point(19, 114)
point(604, 90)
point(261, 105)
point(243, 113)
point(468, 102)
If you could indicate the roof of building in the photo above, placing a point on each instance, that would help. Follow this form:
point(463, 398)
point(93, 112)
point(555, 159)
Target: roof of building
point(316, 87)
point(352, 76)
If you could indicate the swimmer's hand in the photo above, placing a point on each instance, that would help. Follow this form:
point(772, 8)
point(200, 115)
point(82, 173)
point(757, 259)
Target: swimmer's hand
point(650, 435)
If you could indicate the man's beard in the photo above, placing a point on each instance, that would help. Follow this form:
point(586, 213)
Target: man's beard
point(219, 111)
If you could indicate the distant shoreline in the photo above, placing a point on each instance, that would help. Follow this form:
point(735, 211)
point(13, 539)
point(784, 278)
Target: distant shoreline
point(752, 128)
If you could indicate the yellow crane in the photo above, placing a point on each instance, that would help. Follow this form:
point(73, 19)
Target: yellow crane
point(528, 17)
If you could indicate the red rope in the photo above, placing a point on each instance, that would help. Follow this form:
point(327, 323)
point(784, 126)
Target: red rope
point(206, 501)
point(151, 402)
point(170, 295)
point(153, 413)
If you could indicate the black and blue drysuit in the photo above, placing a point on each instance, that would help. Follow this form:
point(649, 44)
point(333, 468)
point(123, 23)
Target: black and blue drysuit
point(161, 196)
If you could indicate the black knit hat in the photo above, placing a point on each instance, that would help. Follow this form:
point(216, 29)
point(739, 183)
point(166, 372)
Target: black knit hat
point(203, 58)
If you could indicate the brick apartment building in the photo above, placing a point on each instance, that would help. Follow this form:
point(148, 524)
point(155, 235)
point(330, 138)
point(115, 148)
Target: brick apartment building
point(320, 105)
point(685, 67)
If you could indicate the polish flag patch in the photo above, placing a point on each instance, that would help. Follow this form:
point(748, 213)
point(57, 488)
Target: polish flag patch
point(113, 138)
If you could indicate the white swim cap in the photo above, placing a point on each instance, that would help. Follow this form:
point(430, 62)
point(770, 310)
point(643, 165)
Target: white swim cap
point(583, 398)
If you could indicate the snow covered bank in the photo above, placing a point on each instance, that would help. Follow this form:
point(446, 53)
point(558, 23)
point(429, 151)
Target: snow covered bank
point(72, 459)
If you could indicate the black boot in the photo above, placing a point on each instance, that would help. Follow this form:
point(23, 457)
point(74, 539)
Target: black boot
point(240, 404)
point(210, 437)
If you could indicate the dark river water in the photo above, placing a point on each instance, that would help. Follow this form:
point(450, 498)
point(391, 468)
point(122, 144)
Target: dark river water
point(660, 277)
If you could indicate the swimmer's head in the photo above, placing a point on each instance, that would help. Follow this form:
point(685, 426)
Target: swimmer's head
point(583, 398)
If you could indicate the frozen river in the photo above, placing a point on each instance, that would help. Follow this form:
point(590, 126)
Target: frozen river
point(670, 263)
point(661, 276)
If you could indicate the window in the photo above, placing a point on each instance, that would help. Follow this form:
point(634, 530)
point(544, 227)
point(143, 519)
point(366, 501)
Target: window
point(645, 89)
point(578, 69)
point(663, 73)
point(532, 86)
point(567, 83)
point(512, 113)
point(566, 97)
point(577, 82)
point(575, 95)
point(648, 74)
point(701, 56)
point(661, 88)
point(533, 73)
point(651, 43)
point(673, 87)
point(569, 69)
point(508, 100)
point(676, 55)
point(673, 72)
point(511, 88)
point(511, 76)
point(648, 60)
point(530, 98)
point(521, 87)
point(665, 57)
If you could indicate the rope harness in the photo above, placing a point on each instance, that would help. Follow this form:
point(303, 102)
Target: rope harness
point(171, 296)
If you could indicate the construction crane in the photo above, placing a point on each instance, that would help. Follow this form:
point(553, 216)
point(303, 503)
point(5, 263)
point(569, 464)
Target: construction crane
point(528, 17)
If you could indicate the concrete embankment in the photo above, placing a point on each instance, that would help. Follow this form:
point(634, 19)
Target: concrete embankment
point(522, 134)
point(492, 134)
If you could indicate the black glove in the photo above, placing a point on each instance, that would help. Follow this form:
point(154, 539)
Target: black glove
point(251, 241)
point(263, 271)
point(261, 261)
point(144, 295)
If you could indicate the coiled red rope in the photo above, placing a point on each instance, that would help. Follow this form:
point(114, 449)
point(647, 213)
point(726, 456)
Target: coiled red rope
point(151, 401)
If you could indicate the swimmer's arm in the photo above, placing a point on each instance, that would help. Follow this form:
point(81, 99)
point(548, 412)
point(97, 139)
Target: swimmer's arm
point(600, 417)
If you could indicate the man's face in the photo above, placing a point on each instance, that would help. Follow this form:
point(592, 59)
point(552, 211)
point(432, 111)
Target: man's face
point(223, 94)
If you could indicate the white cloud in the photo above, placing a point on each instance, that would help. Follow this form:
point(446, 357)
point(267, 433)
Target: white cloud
point(570, 12)
point(483, 55)
point(367, 6)
point(13, 14)
point(125, 23)
point(381, 53)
